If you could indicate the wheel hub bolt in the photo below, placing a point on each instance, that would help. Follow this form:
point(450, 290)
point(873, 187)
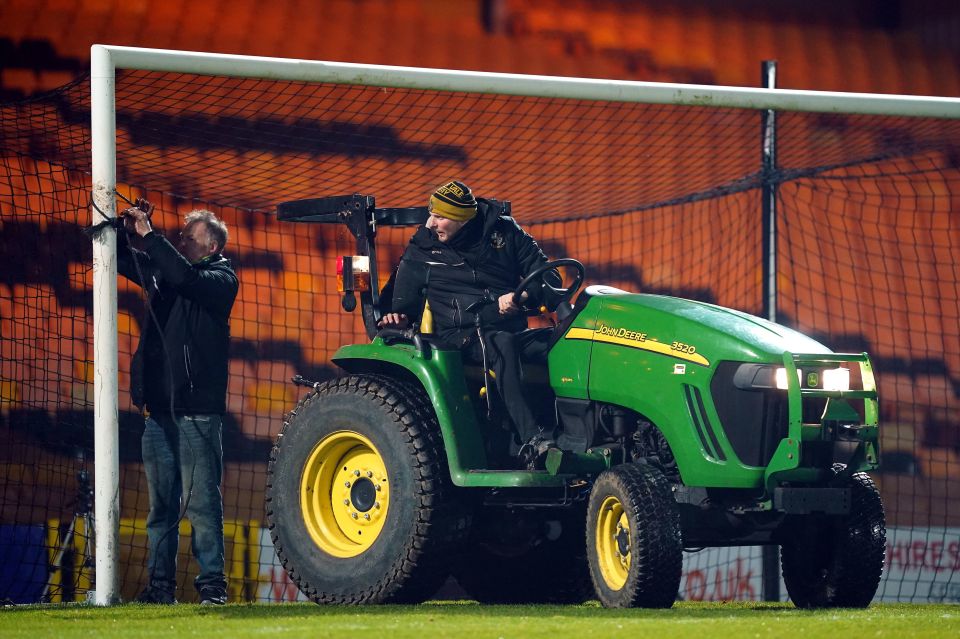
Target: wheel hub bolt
point(347, 484)
point(369, 473)
point(346, 502)
point(356, 473)
point(354, 515)
point(366, 516)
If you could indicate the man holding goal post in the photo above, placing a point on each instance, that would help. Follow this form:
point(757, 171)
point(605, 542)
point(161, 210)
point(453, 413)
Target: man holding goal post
point(179, 380)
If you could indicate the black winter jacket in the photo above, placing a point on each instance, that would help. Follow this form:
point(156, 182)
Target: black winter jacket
point(192, 303)
point(490, 254)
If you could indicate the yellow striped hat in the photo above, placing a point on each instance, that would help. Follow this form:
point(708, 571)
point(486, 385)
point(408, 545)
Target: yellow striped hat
point(454, 201)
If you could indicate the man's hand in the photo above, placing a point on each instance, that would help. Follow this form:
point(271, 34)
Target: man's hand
point(505, 302)
point(393, 320)
point(136, 219)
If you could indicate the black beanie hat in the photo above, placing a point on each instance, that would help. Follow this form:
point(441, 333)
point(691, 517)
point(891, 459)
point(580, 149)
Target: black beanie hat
point(454, 200)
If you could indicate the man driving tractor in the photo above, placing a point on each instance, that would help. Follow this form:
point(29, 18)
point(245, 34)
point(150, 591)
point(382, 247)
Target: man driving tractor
point(468, 259)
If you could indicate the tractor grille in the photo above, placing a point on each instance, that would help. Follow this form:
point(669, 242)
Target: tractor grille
point(754, 420)
point(702, 423)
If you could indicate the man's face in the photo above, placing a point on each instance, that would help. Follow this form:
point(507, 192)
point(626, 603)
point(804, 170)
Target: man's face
point(194, 242)
point(445, 228)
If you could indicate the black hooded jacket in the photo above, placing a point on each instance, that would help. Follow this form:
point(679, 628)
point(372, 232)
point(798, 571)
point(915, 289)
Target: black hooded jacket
point(489, 256)
point(192, 303)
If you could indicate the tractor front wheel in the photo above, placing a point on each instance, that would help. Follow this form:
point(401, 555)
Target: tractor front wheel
point(634, 545)
point(836, 562)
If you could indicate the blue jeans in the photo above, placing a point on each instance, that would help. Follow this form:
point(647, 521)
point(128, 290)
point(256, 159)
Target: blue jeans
point(184, 458)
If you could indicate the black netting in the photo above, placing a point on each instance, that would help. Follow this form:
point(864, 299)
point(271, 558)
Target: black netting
point(651, 198)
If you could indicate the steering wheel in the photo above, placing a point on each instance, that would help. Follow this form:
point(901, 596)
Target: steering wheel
point(536, 277)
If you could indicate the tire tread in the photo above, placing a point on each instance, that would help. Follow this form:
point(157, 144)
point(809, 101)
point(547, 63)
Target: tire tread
point(839, 568)
point(440, 523)
point(657, 547)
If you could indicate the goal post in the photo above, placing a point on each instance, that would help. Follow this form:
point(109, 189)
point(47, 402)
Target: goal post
point(106, 60)
point(106, 448)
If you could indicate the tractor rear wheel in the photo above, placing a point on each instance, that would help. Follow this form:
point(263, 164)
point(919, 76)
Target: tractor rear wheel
point(634, 545)
point(836, 562)
point(359, 500)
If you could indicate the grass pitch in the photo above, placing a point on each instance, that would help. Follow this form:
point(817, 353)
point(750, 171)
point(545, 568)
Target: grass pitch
point(469, 621)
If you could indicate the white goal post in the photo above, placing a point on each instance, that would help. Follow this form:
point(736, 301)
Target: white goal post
point(105, 60)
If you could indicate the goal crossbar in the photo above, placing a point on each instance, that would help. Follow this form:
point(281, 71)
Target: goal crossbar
point(529, 85)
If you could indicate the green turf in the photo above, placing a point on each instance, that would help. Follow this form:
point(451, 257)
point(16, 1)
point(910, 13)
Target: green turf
point(468, 621)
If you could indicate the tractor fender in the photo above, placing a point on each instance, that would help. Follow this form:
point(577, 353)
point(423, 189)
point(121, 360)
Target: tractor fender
point(440, 374)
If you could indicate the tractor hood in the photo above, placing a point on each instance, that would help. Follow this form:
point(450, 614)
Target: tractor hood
point(674, 361)
point(684, 329)
point(754, 333)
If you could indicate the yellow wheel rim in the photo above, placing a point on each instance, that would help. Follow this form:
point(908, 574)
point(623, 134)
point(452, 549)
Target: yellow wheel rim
point(344, 494)
point(613, 543)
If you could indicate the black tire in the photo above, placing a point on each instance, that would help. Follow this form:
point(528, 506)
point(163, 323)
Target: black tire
point(836, 562)
point(634, 544)
point(527, 557)
point(319, 507)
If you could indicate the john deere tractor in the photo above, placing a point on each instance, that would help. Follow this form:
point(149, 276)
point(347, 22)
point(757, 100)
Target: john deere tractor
point(680, 425)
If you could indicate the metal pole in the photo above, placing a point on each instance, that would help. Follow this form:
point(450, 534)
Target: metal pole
point(105, 408)
point(532, 85)
point(768, 138)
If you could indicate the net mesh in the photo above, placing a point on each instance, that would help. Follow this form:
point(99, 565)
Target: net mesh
point(651, 198)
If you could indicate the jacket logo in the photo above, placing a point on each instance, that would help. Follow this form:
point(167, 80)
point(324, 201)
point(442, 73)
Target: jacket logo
point(497, 240)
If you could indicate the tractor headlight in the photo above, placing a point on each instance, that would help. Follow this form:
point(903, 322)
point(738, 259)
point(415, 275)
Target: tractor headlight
point(761, 377)
point(780, 375)
point(768, 376)
point(836, 379)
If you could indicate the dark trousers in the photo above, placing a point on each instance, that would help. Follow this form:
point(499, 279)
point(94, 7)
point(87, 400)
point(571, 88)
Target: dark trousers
point(505, 353)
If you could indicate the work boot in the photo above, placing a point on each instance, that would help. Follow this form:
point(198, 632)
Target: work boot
point(212, 596)
point(533, 454)
point(156, 594)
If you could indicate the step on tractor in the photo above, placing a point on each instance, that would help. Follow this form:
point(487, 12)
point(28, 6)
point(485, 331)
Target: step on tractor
point(679, 425)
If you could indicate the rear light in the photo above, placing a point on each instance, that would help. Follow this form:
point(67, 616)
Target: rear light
point(353, 273)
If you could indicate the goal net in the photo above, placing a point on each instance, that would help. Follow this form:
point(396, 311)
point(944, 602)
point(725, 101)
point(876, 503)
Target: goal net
point(651, 197)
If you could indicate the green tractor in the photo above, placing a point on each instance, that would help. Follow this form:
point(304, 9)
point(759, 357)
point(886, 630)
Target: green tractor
point(680, 425)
